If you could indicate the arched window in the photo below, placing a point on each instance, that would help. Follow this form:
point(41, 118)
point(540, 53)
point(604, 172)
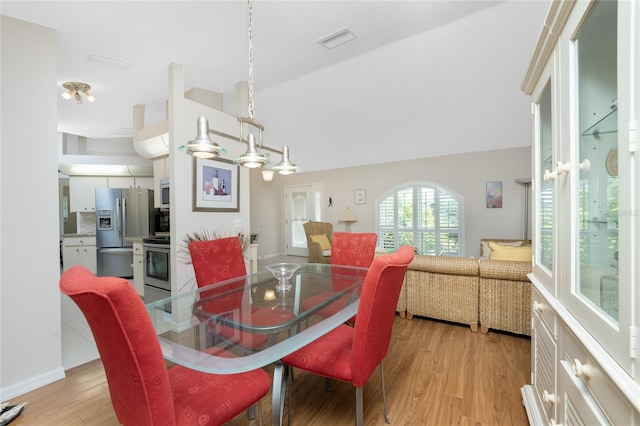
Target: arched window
point(425, 216)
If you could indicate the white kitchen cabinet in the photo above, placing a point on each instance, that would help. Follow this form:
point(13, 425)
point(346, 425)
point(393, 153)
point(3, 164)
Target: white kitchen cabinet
point(130, 182)
point(121, 182)
point(584, 81)
point(145, 182)
point(138, 278)
point(82, 192)
point(79, 251)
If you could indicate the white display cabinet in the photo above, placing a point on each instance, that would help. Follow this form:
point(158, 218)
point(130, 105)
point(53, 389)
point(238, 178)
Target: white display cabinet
point(584, 80)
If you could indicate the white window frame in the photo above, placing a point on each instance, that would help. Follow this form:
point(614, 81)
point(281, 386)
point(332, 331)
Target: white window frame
point(395, 229)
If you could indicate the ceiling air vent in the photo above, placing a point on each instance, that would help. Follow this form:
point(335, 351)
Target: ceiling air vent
point(336, 39)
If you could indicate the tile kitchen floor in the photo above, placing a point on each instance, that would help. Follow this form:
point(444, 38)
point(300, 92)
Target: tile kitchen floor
point(78, 345)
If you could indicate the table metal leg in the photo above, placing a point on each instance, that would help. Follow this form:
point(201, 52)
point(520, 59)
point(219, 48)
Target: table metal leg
point(278, 392)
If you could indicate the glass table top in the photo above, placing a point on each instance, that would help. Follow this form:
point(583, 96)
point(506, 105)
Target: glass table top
point(245, 323)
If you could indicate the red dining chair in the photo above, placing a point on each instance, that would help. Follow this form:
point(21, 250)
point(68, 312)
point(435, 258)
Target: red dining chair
point(143, 391)
point(347, 249)
point(351, 354)
point(221, 260)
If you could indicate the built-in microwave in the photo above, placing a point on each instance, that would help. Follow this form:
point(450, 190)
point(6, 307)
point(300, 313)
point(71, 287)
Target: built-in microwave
point(164, 193)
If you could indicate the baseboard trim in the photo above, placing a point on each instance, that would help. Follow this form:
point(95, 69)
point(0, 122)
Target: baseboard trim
point(32, 383)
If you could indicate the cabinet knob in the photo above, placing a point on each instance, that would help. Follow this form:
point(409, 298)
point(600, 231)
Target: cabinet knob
point(550, 175)
point(561, 168)
point(585, 166)
point(548, 398)
point(581, 370)
point(538, 307)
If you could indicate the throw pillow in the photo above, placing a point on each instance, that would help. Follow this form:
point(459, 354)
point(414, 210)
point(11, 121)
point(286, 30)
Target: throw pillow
point(502, 252)
point(321, 239)
point(486, 250)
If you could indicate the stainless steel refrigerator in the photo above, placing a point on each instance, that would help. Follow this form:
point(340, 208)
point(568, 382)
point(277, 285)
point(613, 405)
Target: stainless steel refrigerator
point(122, 215)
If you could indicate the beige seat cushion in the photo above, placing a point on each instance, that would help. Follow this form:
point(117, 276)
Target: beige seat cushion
point(323, 241)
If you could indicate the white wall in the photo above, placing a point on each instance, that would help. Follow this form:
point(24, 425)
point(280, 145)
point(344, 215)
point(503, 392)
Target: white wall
point(466, 174)
point(30, 343)
point(183, 114)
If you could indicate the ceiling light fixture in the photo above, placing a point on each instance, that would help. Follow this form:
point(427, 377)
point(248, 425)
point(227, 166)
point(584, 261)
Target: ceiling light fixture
point(75, 89)
point(202, 146)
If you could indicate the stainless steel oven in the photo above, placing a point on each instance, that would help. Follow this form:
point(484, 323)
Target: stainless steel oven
point(156, 253)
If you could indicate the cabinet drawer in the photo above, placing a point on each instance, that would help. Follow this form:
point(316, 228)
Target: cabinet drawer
point(137, 249)
point(547, 315)
point(578, 407)
point(79, 241)
point(584, 370)
point(544, 365)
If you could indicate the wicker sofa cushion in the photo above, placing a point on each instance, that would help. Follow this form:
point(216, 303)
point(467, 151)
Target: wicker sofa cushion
point(505, 269)
point(445, 265)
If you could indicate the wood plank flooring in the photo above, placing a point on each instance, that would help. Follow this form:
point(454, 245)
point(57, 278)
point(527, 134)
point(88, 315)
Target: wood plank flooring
point(436, 373)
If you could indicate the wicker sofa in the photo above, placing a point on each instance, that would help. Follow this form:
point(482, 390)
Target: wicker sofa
point(482, 293)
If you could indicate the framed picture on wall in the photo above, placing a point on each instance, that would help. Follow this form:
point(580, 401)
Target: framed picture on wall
point(216, 186)
point(360, 196)
point(494, 195)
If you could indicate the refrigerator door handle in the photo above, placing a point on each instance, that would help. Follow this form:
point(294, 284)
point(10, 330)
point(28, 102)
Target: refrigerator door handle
point(118, 218)
point(124, 217)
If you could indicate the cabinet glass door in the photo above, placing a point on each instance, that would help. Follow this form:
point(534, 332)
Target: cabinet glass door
point(543, 185)
point(597, 156)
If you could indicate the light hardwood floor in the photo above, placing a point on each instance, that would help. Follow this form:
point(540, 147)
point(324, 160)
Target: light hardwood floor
point(436, 373)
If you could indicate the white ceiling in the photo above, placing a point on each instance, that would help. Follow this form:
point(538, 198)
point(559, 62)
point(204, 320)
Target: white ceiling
point(424, 78)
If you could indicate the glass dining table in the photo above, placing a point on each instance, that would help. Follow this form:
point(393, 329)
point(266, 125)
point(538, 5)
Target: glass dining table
point(255, 320)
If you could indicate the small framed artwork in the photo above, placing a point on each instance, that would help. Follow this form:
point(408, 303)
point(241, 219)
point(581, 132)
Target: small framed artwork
point(494, 195)
point(360, 196)
point(216, 186)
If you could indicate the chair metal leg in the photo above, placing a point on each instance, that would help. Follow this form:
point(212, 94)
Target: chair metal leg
point(384, 394)
point(328, 385)
point(278, 391)
point(289, 375)
point(251, 411)
point(359, 407)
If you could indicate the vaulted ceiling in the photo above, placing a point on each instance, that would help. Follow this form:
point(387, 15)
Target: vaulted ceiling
point(421, 78)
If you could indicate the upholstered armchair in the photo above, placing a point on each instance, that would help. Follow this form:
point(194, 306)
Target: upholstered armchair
point(319, 236)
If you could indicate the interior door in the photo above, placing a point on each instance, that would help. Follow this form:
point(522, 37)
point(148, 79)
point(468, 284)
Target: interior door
point(303, 203)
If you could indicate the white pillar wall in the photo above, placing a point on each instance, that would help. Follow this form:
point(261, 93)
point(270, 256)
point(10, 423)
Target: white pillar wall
point(30, 342)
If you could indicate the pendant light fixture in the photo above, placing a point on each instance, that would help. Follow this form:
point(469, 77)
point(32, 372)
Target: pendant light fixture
point(202, 146)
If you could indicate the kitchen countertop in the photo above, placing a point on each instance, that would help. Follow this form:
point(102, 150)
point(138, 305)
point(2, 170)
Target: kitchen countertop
point(77, 235)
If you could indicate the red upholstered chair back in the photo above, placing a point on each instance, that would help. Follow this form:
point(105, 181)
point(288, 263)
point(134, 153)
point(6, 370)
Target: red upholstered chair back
point(215, 261)
point(372, 331)
point(129, 349)
point(353, 249)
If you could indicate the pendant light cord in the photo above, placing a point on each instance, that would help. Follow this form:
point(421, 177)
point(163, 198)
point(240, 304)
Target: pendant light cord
point(252, 114)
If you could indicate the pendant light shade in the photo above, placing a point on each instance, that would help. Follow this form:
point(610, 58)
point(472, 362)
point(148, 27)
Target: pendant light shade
point(202, 146)
point(267, 175)
point(252, 158)
point(285, 166)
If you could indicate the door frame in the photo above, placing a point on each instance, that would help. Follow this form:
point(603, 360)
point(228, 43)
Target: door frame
point(315, 212)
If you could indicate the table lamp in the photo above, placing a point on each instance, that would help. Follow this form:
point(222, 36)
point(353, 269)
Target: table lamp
point(348, 217)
